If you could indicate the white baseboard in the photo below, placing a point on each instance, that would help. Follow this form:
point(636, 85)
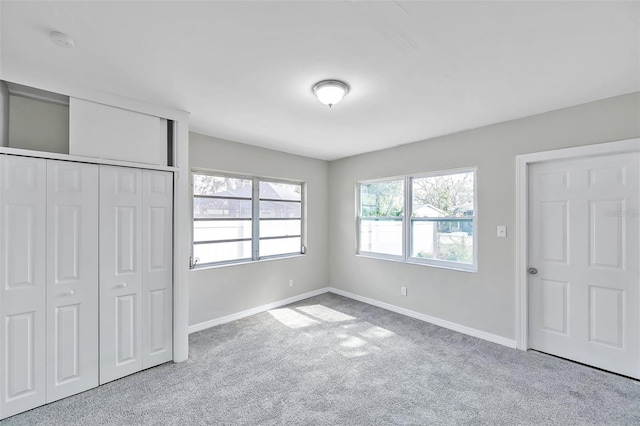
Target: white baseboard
point(433, 320)
point(256, 310)
point(393, 308)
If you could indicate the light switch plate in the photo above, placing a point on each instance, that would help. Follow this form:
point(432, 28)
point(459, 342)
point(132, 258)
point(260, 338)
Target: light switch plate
point(502, 231)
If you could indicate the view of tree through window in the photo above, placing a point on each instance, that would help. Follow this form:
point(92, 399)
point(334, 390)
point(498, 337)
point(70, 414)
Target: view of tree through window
point(440, 216)
point(225, 228)
point(381, 211)
point(451, 194)
point(382, 199)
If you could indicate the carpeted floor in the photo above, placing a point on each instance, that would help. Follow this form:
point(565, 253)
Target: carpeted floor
point(330, 360)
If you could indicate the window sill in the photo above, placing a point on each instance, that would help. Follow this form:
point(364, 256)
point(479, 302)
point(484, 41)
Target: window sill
point(246, 262)
point(452, 267)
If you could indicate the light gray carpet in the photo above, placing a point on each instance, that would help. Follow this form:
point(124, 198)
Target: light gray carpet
point(329, 360)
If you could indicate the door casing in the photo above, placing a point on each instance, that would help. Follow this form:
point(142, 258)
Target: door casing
point(522, 222)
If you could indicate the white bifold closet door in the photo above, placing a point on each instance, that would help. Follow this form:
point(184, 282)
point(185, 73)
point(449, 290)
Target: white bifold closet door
point(23, 197)
point(72, 278)
point(49, 290)
point(120, 272)
point(157, 272)
point(135, 270)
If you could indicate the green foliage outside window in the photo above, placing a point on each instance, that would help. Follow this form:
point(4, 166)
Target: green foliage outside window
point(382, 199)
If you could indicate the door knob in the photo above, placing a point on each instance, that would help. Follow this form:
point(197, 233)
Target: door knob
point(533, 271)
point(123, 285)
point(70, 293)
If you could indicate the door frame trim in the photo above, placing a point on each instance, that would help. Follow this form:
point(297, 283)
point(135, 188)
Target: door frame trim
point(522, 222)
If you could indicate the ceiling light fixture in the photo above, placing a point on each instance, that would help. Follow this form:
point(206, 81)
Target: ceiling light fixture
point(330, 92)
point(62, 40)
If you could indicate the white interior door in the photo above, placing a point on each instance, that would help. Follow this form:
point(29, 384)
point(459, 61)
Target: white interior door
point(584, 233)
point(157, 267)
point(22, 283)
point(72, 278)
point(120, 272)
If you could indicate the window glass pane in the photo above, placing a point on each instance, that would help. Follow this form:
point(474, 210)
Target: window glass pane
point(205, 230)
point(443, 196)
point(279, 209)
point(280, 228)
point(280, 246)
point(382, 199)
point(443, 240)
point(220, 252)
point(381, 236)
point(221, 207)
point(221, 186)
point(280, 191)
point(223, 210)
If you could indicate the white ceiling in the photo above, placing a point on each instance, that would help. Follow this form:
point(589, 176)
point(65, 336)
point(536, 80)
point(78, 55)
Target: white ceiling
point(417, 69)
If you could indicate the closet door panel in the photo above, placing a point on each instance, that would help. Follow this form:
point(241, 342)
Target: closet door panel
point(103, 131)
point(158, 269)
point(121, 314)
point(22, 283)
point(72, 278)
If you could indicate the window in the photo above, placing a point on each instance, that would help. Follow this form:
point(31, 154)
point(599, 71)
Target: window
point(443, 219)
point(280, 218)
point(381, 213)
point(239, 218)
point(438, 228)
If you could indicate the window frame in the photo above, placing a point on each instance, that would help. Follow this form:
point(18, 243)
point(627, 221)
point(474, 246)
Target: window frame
point(255, 219)
point(302, 218)
point(373, 254)
point(408, 220)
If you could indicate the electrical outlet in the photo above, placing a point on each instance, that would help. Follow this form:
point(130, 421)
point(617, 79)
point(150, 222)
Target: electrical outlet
point(403, 291)
point(291, 283)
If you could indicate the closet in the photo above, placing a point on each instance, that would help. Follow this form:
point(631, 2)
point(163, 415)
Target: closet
point(86, 283)
point(135, 270)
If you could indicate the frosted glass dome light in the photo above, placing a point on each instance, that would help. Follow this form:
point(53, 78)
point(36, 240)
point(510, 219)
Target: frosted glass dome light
point(330, 92)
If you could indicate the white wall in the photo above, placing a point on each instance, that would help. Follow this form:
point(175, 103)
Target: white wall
point(219, 291)
point(484, 300)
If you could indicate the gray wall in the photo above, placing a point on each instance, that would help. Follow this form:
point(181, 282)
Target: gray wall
point(219, 291)
point(484, 300)
point(38, 125)
point(4, 114)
